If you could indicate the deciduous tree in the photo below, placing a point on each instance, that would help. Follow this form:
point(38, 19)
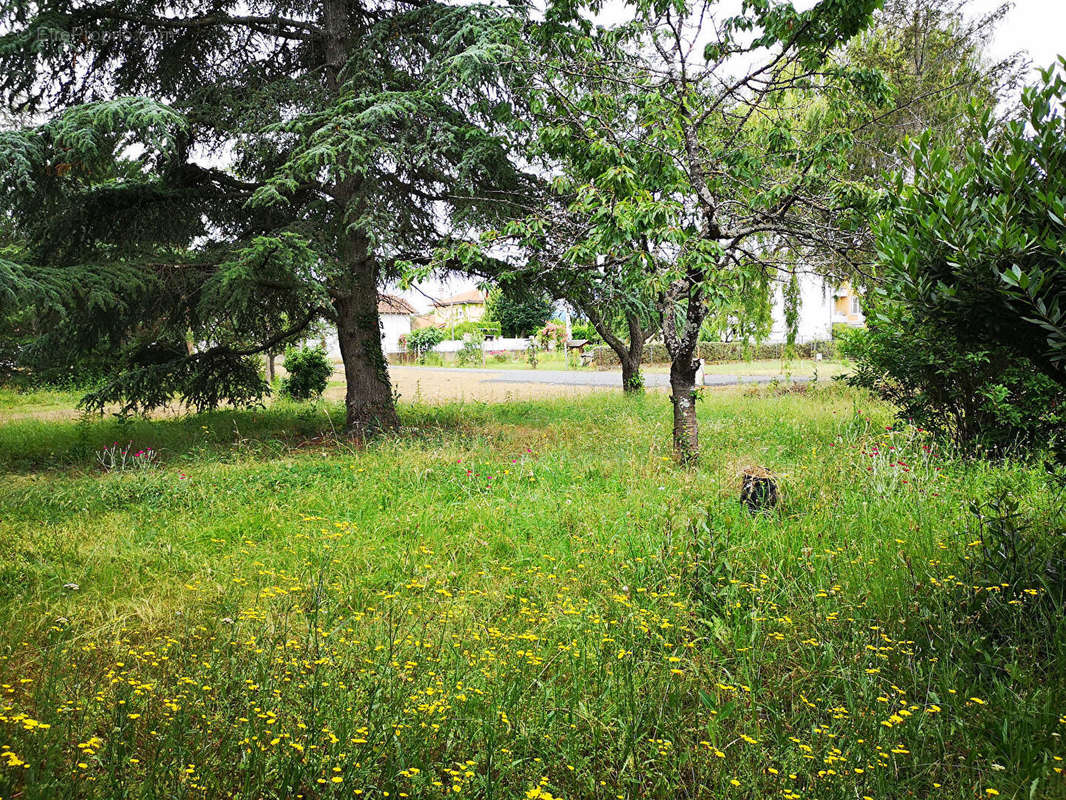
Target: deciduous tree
point(520, 310)
point(934, 54)
point(692, 157)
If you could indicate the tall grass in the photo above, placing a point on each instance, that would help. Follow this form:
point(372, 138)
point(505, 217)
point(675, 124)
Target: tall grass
point(527, 600)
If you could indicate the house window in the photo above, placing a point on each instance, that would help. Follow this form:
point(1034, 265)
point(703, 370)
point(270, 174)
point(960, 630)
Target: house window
point(855, 305)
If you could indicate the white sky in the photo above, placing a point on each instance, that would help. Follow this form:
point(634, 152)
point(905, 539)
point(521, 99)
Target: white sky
point(1036, 26)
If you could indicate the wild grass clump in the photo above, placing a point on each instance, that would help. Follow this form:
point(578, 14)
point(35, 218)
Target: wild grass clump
point(532, 600)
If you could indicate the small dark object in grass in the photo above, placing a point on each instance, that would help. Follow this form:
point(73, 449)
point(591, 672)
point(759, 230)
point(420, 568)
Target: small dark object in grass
point(759, 489)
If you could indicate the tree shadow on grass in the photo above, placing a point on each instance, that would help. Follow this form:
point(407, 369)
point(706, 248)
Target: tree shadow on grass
point(33, 445)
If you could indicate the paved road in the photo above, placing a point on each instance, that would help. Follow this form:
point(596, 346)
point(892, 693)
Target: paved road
point(562, 377)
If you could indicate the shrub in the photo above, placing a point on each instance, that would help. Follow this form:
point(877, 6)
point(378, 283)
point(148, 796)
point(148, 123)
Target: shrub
point(972, 252)
point(553, 333)
point(309, 369)
point(585, 330)
point(968, 331)
point(423, 340)
point(977, 397)
point(470, 353)
point(841, 330)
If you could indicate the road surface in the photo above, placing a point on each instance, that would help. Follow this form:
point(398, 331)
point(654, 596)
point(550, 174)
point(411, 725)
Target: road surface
point(575, 377)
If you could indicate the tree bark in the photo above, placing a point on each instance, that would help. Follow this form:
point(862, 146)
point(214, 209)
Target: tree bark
point(368, 397)
point(629, 354)
point(270, 356)
point(683, 397)
point(681, 344)
point(632, 381)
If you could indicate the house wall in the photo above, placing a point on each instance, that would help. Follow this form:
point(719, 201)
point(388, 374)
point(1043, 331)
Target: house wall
point(465, 312)
point(393, 326)
point(815, 311)
point(847, 309)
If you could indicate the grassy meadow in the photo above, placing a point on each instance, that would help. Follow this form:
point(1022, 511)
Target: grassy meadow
point(526, 600)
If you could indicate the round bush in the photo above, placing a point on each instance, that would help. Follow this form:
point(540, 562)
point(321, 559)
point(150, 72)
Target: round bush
point(309, 369)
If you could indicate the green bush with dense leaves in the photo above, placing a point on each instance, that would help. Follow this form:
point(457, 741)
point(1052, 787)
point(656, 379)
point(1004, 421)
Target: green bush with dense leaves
point(309, 369)
point(968, 329)
point(584, 330)
point(423, 340)
point(987, 398)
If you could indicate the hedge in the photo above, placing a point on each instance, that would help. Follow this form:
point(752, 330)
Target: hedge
point(604, 357)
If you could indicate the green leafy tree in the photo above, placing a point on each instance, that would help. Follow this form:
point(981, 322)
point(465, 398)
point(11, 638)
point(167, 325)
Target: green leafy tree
point(622, 313)
point(227, 174)
point(309, 369)
point(971, 256)
point(622, 320)
point(934, 54)
point(686, 162)
point(423, 340)
point(519, 311)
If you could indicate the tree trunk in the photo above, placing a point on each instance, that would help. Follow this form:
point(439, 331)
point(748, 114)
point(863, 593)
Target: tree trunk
point(681, 342)
point(270, 366)
point(368, 394)
point(683, 397)
point(629, 355)
point(632, 382)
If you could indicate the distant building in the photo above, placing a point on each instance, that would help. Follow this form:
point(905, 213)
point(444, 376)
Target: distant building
point(822, 304)
point(847, 306)
point(395, 313)
point(466, 306)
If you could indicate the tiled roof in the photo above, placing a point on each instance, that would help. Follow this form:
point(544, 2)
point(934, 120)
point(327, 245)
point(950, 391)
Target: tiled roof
point(473, 296)
point(390, 304)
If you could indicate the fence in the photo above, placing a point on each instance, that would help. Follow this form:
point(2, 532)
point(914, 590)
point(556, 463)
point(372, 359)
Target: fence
point(446, 351)
point(501, 345)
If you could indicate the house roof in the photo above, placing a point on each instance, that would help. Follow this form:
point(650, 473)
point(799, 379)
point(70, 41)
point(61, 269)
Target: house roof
point(390, 304)
point(471, 297)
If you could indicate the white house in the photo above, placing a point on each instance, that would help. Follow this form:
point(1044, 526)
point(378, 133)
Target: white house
point(395, 313)
point(822, 303)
